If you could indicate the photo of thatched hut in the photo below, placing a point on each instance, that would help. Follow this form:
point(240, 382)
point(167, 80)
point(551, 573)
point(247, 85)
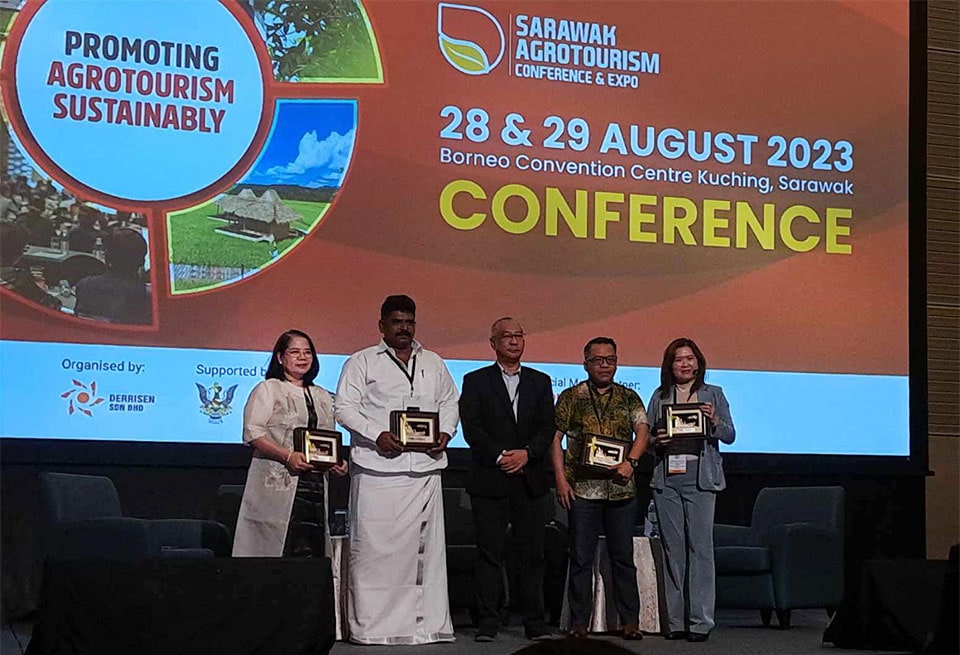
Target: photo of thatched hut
point(265, 218)
point(276, 205)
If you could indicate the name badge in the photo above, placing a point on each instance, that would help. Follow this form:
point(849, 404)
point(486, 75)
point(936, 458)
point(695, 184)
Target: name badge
point(676, 464)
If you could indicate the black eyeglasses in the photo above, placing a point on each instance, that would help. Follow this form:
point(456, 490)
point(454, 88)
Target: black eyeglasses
point(609, 361)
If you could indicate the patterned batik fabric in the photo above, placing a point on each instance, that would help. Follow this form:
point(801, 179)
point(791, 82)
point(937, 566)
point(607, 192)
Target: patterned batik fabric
point(613, 414)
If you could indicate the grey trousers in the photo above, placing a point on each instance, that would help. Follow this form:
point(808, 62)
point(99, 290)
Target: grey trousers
point(685, 515)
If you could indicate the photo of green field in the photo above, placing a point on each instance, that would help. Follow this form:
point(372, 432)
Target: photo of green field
point(281, 201)
point(202, 258)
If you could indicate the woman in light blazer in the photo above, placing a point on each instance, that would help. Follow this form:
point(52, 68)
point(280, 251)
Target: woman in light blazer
point(687, 477)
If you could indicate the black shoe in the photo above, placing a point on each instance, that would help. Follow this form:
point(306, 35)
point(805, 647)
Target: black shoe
point(538, 632)
point(697, 637)
point(578, 631)
point(486, 634)
point(632, 633)
point(675, 635)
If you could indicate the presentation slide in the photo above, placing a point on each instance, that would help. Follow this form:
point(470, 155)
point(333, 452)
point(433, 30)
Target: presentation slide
point(183, 181)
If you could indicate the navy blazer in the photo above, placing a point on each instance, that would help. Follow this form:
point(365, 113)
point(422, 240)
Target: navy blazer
point(711, 476)
point(489, 427)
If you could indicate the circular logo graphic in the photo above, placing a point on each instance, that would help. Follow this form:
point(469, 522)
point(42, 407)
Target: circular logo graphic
point(141, 90)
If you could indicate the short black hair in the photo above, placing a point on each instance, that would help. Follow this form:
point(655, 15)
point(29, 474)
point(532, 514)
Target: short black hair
point(13, 239)
point(275, 368)
point(125, 249)
point(86, 218)
point(596, 341)
point(399, 303)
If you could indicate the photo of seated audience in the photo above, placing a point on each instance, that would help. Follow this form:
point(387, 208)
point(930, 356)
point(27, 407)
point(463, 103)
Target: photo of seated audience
point(53, 241)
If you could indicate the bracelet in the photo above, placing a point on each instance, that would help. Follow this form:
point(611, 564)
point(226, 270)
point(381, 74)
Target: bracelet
point(287, 461)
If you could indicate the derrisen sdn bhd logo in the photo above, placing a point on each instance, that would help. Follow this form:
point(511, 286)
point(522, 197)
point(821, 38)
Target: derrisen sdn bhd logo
point(471, 39)
point(81, 397)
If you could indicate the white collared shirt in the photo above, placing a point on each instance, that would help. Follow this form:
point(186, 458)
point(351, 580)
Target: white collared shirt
point(372, 385)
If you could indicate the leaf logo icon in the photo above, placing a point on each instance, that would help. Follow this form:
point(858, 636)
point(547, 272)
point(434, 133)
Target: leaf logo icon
point(466, 56)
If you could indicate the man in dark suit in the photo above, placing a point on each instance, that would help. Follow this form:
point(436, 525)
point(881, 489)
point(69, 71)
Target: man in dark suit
point(507, 416)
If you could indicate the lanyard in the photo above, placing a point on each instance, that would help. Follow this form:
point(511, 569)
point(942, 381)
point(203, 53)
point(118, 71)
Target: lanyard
point(410, 375)
point(311, 410)
point(605, 406)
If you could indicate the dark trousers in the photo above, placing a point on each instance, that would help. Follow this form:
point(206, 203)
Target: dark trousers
point(308, 520)
point(588, 520)
point(528, 519)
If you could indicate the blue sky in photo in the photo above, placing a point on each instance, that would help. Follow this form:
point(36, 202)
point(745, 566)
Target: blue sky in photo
point(310, 144)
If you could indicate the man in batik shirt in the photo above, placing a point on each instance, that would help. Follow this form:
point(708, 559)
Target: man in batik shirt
point(600, 501)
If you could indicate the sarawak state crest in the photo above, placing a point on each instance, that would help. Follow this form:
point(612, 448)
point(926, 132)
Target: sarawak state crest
point(212, 403)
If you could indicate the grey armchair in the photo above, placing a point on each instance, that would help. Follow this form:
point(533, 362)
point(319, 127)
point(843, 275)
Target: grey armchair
point(84, 521)
point(790, 557)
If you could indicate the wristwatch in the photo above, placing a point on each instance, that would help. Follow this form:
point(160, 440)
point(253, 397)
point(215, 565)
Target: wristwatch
point(633, 462)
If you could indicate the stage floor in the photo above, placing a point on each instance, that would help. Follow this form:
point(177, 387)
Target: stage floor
point(738, 632)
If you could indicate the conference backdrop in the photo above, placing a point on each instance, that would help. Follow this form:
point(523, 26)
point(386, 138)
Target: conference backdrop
point(733, 172)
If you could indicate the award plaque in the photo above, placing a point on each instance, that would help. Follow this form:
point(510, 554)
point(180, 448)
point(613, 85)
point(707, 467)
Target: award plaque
point(320, 447)
point(685, 420)
point(416, 430)
point(603, 452)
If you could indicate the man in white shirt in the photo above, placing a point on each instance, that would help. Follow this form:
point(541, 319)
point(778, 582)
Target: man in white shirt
point(397, 569)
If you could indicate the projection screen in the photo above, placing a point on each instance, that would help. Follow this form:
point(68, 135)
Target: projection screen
point(733, 172)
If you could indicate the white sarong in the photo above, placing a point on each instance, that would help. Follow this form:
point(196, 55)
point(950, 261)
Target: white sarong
point(397, 581)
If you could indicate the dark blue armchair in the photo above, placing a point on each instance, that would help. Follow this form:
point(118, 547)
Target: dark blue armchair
point(790, 557)
point(83, 520)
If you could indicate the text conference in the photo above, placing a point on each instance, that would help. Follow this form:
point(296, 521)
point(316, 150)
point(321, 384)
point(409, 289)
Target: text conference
point(677, 216)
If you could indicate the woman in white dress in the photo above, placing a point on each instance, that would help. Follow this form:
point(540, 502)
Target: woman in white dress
point(283, 509)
